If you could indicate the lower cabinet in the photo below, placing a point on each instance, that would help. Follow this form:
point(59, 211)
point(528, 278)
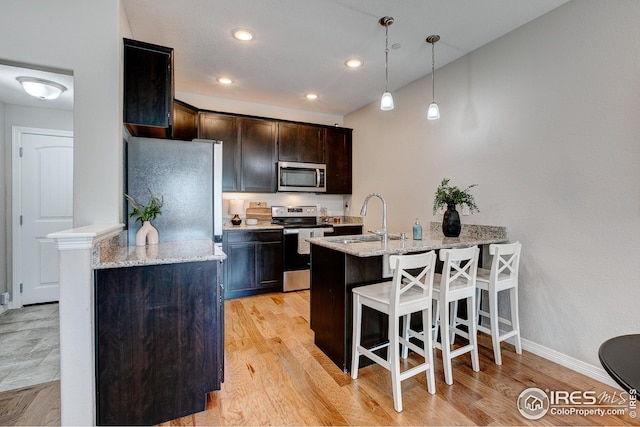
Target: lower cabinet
point(159, 341)
point(254, 262)
point(345, 230)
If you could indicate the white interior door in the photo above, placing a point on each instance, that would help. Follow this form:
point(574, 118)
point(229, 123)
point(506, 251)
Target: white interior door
point(46, 205)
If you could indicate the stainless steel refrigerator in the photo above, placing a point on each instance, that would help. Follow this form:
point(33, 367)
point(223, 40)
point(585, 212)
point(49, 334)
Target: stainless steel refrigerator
point(188, 177)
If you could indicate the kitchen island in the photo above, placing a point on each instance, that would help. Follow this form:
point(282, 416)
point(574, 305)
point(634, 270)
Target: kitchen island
point(158, 329)
point(339, 264)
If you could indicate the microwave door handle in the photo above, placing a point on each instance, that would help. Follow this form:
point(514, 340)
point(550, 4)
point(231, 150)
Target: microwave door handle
point(317, 178)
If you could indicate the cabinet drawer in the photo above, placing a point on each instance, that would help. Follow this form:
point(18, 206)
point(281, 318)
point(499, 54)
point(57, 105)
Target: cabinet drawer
point(254, 236)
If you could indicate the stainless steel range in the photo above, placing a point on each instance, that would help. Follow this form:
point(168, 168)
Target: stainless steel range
point(299, 222)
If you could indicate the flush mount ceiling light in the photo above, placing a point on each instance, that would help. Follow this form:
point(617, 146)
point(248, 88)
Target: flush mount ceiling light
point(311, 96)
point(386, 102)
point(224, 80)
point(41, 88)
point(354, 63)
point(433, 113)
point(242, 35)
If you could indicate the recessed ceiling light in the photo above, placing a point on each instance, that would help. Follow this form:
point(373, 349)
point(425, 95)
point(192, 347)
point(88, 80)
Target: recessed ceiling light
point(242, 35)
point(311, 96)
point(225, 80)
point(354, 63)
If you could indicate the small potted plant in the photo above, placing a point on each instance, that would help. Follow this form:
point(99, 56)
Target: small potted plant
point(452, 196)
point(145, 214)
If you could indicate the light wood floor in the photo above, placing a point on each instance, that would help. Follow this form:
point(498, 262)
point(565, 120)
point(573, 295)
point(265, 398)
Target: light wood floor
point(274, 375)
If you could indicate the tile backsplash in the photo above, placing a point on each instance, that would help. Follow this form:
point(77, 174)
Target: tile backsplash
point(334, 203)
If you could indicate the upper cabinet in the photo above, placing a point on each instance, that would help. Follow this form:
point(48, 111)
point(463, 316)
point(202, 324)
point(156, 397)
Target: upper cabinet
point(251, 145)
point(148, 88)
point(248, 150)
point(300, 143)
point(223, 128)
point(185, 121)
point(338, 158)
point(258, 140)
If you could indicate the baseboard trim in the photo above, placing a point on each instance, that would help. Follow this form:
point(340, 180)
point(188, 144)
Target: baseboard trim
point(584, 368)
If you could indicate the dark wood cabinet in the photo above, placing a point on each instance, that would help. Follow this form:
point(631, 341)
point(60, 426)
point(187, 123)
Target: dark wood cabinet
point(338, 157)
point(258, 155)
point(185, 121)
point(148, 88)
point(334, 274)
point(223, 128)
point(254, 262)
point(251, 145)
point(345, 230)
point(159, 341)
point(300, 143)
point(249, 150)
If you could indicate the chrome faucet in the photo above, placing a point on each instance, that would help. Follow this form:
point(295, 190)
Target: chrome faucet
point(363, 212)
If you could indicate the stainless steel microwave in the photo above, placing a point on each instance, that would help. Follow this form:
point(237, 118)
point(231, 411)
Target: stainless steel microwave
point(309, 177)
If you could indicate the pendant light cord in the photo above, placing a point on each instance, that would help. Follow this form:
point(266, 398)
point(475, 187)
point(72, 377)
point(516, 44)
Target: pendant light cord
point(433, 72)
point(386, 57)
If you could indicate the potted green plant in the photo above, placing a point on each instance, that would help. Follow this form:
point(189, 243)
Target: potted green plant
point(145, 214)
point(451, 196)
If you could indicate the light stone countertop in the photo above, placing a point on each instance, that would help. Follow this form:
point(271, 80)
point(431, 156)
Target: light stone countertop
point(261, 225)
point(114, 254)
point(433, 239)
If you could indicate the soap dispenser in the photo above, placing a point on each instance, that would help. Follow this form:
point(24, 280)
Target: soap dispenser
point(417, 231)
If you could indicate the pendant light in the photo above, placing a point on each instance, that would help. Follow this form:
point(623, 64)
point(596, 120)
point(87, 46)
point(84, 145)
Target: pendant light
point(433, 113)
point(386, 102)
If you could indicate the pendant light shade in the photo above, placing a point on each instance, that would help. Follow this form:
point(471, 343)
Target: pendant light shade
point(386, 102)
point(40, 88)
point(433, 112)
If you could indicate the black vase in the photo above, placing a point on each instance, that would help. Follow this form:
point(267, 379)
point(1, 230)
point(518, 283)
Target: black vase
point(451, 222)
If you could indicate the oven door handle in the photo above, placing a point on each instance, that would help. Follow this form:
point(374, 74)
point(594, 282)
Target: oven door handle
point(290, 231)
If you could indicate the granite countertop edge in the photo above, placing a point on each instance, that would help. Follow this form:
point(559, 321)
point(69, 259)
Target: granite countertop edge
point(115, 253)
point(473, 235)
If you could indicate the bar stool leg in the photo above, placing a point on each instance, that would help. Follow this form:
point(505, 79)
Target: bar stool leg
point(495, 326)
point(515, 318)
point(473, 333)
point(355, 354)
point(394, 358)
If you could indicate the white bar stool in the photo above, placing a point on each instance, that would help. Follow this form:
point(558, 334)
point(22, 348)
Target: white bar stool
point(457, 282)
point(503, 276)
point(404, 295)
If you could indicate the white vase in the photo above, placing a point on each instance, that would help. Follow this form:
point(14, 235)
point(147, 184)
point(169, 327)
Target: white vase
point(147, 235)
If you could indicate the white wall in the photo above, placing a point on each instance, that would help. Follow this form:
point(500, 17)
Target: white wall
point(545, 120)
point(82, 37)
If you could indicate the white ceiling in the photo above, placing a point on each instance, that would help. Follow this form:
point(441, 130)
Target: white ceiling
point(301, 46)
point(11, 91)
